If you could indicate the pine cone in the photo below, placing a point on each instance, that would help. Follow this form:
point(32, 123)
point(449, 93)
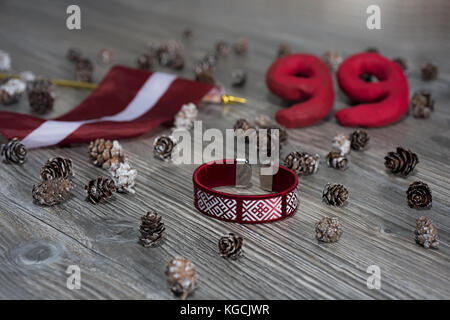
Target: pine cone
point(419, 195)
point(341, 143)
point(41, 96)
point(333, 59)
point(57, 168)
point(145, 61)
point(302, 163)
point(335, 194)
point(11, 91)
point(163, 147)
point(262, 121)
point(205, 76)
point(84, 70)
point(283, 50)
point(401, 162)
point(51, 192)
point(185, 118)
point(14, 152)
point(239, 78)
point(106, 153)
point(100, 189)
point(5, 61)
point(73, 55)
point(222, 49)
point(241, 46)
point(422, 104)
point(243, 124)
point(337, 161)
point(328, 229)
point(230, 246)
point(124, 177)
point(151, 229)
point(182, 277)
point(359, 139)
point(105, 56)
point(426, 233)
point(429, 72)
point(401, 62)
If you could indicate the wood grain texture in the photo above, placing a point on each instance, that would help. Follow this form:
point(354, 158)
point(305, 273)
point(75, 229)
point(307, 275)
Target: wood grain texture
point(282, 260)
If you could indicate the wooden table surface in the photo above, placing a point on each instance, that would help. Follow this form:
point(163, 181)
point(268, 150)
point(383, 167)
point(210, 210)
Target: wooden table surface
point(282, 260)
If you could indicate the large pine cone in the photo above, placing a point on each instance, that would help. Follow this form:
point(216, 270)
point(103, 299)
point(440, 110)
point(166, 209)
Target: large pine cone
point(51, 192)
point(359, 140)
point(302, 163)
point(163, 147)
point(100, 189)
point(426, 233)
point(57, 168)
point(151, 229)
point(419, 195)
point(328, 229)
point(14, 152)
point(182, 277)
point(336, 160)
point(401, 162)
point(41, 96)
point(230, 246)
point(106, 153)
point(422, 104)
point(335, 194)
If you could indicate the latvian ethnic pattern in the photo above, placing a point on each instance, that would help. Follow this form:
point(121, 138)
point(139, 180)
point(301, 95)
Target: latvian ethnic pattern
point(291, 201)
point(216, 206)
point(262, 210)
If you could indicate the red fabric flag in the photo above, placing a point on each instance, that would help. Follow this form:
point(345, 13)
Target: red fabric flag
point(127, 103)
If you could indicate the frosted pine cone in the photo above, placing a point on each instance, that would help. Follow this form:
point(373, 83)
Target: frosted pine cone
point(230, 246)
point(335, 194)
point(124, 177)
point(426, 233)
point(182, 277)
point(333, 59)
point(14, 152)
point(41, 96)
point(185, 118)
point(106, 153)
point(401, 162)
point(419, 195)
point(163, 147)
point(11, 91)
point(151, 229)
point(359, 139)
point(422, 104)
point(263, 122)
point(336, 160)
point(302, 163)
point(100, 189)
point(341, 143)
point(328, 229)
point(57, 168)
point(51, 192)
point(5, 61)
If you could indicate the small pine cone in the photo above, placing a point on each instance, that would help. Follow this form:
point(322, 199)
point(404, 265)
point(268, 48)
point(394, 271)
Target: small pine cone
point(401, 162)
point(302, 163)
point(337, 161)
point(151, 229)
point(401, 62)
point(84, 70)
point(282, 133)
point(57, 168)
point(5, 61)
point(41, 96)
point(100, 189)
point(222, 49)
point(73, 55)
point(241, 46)
point(51, 192)
point(205, 76)
point(11, 91)
point(426, 233)
point(335, 194)
point(328, 229)
point(333, 59)
point(105, 56)
point(185, 118)
point(359, 140)
point(239, 77)
point(163, 147)
point(230, 246)
point(124, 177)
point(422, 104)
point(429, 72)
point(106, 153)
point(341, 143)
point(419, 195)
point(182, 277)
point(145, 61)
point(243, 124)
point(262, 121)
point(177, 62)
point(283, 50)
point(14, 152)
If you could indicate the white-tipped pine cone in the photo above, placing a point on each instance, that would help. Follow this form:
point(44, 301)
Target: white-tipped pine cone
point(182, 277)
point(124, 177)
point(185, 118)
point(342, 143)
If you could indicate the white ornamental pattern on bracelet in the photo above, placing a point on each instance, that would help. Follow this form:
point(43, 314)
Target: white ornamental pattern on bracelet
point(292, 201)
point(216, 206)
point(262, 210)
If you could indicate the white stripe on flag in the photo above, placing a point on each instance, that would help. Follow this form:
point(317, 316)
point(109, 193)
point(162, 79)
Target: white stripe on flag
point(53, 132)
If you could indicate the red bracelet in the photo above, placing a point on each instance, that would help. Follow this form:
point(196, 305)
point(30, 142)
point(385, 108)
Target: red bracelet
point(271, 207)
